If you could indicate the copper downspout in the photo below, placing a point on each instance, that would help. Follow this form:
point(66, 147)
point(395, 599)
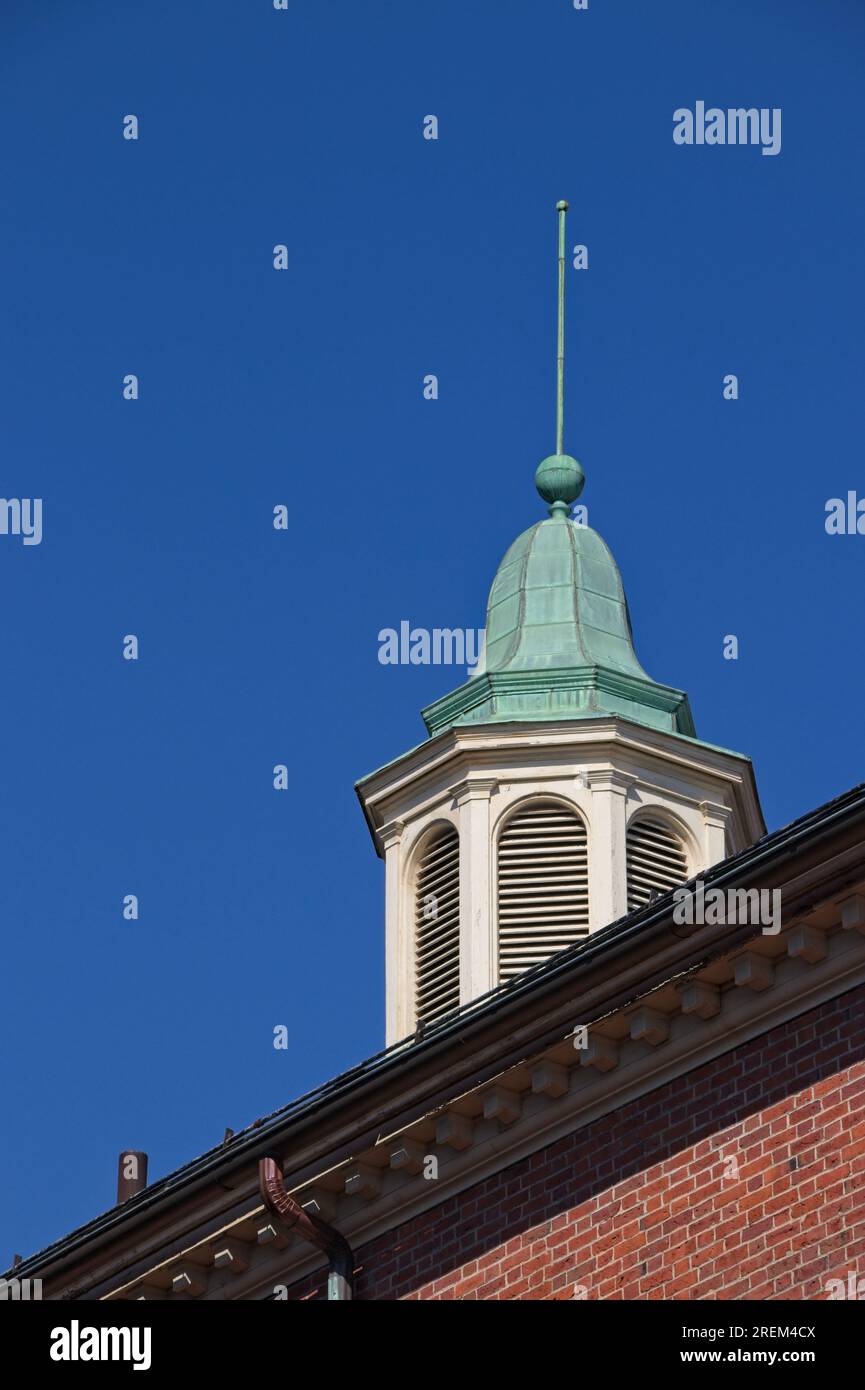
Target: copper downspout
point(340, 1278)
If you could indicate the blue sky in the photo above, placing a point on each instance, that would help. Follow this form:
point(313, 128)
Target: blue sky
point(304, 387)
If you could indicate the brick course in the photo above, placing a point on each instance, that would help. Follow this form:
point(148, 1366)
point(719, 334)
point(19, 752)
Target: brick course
point(645, 1203)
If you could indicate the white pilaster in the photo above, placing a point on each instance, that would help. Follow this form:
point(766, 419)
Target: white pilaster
point(608, 874)
point(716, 822)
point(477, 947)
point(399, 982)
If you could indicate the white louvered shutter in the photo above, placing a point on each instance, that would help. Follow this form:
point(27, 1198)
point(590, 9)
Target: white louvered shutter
point(437, 928)
point(657, 860)
point(543, 885)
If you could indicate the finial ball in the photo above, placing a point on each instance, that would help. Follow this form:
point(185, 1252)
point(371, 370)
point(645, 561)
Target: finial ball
point(559, 479)
point(562, 205)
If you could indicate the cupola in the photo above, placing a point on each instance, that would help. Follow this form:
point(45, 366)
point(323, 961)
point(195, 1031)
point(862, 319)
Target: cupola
point(560, 788)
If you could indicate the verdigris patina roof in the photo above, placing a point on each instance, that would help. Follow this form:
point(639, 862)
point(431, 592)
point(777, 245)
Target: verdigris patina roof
point(557, 600)
point(558, 641)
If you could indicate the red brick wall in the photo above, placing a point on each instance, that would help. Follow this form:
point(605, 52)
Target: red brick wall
point(639, 1204)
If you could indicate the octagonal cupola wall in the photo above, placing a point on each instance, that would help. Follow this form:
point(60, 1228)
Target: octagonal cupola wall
point(560, 787)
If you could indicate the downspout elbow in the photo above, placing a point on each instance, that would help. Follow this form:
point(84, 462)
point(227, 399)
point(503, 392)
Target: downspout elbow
point(281, 1204)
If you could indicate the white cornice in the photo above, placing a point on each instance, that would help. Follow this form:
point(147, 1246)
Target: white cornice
point(450, 756)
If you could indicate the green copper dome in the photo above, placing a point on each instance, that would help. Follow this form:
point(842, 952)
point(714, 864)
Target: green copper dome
point(557, 600)
point(559, 642)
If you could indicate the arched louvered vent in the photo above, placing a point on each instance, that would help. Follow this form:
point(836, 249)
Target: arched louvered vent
point(543, 885)
point(437, 927)
point(657, 860)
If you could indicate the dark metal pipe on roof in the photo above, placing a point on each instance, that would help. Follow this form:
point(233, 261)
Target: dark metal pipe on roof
point(131, 1174)
point(340, 1259)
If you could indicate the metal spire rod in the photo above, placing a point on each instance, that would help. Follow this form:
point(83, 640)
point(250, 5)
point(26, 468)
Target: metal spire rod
point(561, 208)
